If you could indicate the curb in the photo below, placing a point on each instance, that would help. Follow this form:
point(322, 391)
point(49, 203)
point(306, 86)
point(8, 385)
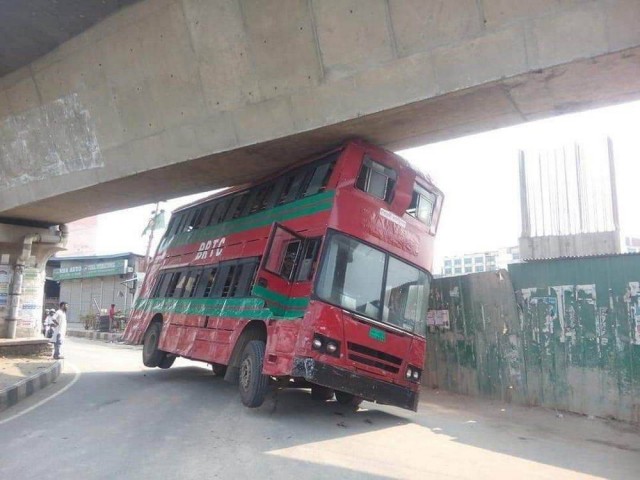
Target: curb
point(28, 386)
point(91, 335)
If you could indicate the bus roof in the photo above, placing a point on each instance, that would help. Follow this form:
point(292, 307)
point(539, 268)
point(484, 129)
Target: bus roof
point(237, 188)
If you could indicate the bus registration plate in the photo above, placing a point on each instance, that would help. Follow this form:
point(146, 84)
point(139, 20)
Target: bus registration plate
point(376, 334)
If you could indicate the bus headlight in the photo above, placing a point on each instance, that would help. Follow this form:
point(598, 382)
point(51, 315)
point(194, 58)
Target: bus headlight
point(327, 345)
point(413, 374)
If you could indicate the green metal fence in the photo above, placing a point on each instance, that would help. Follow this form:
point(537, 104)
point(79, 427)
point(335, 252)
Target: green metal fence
point(560, 333)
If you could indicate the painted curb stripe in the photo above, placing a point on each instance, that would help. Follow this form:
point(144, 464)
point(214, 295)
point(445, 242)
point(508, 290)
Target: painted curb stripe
point(28, 386)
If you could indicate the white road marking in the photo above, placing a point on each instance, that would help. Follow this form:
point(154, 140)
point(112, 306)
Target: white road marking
point(45, 400)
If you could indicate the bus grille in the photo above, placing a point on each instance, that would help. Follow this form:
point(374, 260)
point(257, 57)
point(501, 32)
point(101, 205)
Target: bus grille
point(374, 358)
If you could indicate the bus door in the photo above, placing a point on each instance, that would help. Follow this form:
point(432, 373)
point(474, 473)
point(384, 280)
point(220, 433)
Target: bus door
point(276, 282)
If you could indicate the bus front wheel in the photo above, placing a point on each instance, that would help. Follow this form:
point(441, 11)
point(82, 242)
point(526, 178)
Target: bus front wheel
point(320, 393)
point(348, 399)
point(252, 383)
point(152, 356)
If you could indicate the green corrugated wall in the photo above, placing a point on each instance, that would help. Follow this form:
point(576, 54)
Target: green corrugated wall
point(563, 334)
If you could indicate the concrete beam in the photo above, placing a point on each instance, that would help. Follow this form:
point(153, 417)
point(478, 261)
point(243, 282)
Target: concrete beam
point(170, 97)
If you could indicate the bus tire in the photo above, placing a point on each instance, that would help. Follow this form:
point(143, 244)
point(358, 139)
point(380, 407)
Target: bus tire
point(151, 354)
point(320, 393)
point(344, 398)
point(253, 385)
point(167, 361)
point(218, 370)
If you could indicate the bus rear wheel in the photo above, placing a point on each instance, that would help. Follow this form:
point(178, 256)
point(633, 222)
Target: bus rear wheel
point(152, 356)
point(253, 385)
point(167, 361)
point(344, 398)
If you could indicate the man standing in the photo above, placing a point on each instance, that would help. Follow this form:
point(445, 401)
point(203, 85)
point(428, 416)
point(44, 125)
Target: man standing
point(60, 330)
point(112, 317)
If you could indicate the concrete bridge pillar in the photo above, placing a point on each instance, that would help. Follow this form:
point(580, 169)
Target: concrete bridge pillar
point(24, 252)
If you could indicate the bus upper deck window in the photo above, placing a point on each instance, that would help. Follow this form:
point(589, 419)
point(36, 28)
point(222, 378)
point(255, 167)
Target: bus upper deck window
point(422, 205)
point(376, 179)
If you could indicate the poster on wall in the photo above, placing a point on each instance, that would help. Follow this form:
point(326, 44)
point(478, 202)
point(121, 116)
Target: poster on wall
point(5, 278)
point(32, 293)
point(632, 298)
point(438, 318)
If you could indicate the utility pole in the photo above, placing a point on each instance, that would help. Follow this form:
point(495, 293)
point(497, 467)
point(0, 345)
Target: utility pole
point(152, 226)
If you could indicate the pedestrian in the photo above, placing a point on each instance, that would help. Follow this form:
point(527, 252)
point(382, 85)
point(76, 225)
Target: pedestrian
point(112, 317)
point(60, 330)
point(48, 323)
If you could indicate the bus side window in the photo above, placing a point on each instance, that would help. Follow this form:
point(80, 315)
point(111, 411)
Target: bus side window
point(206, 285)
point(160, 285)
point(191, 283)
point(185, 224)
point(258, 199)
point(309, 259)
point(197, 219)
point(376, 179)
point(289, 258)
point(220, 280)
point(229, 280)
point(237, 204)
point(422, 204)
point(320, 176)
point(245, 279)
point(171, 227)
point(179, 288)
point(292, 186)
point(220, 211)
point(173, 283)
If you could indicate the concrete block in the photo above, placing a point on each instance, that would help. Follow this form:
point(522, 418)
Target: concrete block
point(331, 102)
point(419, 25)
point(352, 34)
point(171, 67)
point(570, 35)
point(223, 54)
point(216, 133)
point(413, 79)
point(587, 83)
point(499, 12)
point(263, 121)
point(481, 60)
point(101, 106)
point(137, 111)
point(285, 27)
point(124, 63)
point(22, 96)
point(623, 24)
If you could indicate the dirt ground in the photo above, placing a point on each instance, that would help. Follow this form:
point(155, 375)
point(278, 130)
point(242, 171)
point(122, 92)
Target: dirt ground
point(14, 369)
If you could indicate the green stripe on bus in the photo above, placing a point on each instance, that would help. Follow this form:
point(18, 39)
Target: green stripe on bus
point(306, 206)
point(250, 307)
point(294, 302)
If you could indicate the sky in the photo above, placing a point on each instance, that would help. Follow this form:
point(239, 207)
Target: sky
point(478, 175)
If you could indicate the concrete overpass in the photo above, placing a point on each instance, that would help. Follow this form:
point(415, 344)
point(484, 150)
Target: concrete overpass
point(169, 97)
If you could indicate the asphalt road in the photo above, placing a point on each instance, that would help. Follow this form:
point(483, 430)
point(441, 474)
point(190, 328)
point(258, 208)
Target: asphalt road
point(116, 419)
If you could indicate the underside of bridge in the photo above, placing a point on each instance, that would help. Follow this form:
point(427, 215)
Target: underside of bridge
point(554, 91)
point(168, 97)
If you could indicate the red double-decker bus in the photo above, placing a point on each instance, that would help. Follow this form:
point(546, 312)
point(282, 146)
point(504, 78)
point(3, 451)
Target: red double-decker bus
point(317, 276)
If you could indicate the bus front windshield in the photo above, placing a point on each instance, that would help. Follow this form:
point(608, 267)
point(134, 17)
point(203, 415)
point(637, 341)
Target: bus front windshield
point(372, 283)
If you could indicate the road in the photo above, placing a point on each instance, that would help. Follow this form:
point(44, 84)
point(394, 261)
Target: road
point(116, 419)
